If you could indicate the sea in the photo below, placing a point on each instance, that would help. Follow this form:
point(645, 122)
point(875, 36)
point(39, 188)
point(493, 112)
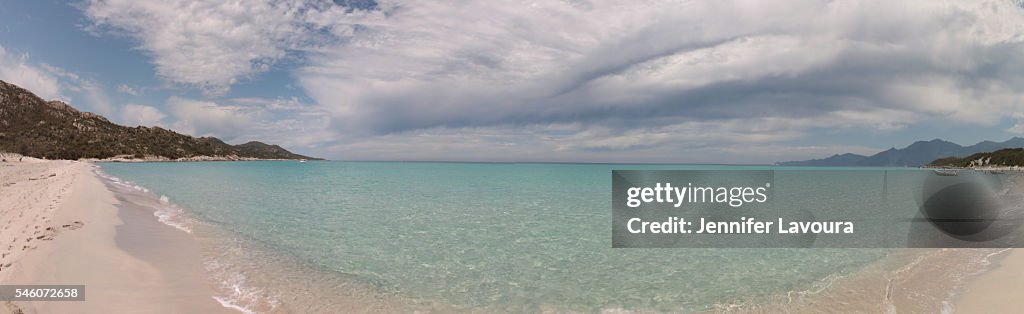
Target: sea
point(333, 236)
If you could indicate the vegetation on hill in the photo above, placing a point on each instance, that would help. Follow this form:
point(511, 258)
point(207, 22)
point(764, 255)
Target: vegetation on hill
point(1002, 157)
point(54, 130)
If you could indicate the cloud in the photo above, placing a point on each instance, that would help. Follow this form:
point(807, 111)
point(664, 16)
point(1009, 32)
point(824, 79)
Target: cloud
point(52, 83)
point(206, 118)
point(1017, 128)
point(721, 60)
point(212, 44)
point(17, 70)
point(93, 92)
point(646, 76)
point(562, 143)
point(286, 122)
point(133, 114)
point(613, 78)
point(124, 88)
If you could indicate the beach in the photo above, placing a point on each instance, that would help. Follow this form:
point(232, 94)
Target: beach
point(63, 225)
point(67, 223)
point(998, 289)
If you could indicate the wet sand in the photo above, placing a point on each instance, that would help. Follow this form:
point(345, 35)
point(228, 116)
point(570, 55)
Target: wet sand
point(75, 231)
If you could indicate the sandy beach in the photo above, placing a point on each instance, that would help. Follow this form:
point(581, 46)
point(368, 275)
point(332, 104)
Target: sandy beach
point(62, 225)
point(997, 290)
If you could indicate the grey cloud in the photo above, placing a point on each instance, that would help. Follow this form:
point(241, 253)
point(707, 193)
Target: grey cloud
point(624, 75)
point(878, 66)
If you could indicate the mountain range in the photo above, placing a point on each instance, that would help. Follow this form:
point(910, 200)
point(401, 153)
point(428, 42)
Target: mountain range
point(33, 127)
point(917, 154)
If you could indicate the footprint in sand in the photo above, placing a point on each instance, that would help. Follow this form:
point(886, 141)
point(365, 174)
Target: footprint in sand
point(48, 234)
point(74, 225)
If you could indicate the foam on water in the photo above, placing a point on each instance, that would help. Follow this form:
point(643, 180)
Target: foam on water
point(166, 212)
point(231, 284)
point(174, 217)
point(238, 294)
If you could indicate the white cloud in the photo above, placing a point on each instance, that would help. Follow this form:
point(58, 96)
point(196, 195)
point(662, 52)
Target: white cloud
point(733, 59)
point(206, 118)
point(573, 143)
point(1017, 128)
point(94, 93)
point(17, 70)
point(133, 114)
point(124, 88)
point(280, 121)
point(624, 74)
point(209, 44)
point(52, 83)
point(96, 96)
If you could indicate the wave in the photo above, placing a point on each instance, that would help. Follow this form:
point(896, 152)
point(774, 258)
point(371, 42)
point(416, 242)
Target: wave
point(165, 211)
point(239, 295)
point(234, 293)
point(174, 217)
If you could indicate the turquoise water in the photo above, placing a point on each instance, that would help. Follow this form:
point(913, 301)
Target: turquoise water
point(503, 237)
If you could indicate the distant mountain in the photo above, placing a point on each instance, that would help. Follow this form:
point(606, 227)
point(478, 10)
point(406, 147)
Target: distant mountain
point(34, 127)
point(917, 154)
point(1002, 157)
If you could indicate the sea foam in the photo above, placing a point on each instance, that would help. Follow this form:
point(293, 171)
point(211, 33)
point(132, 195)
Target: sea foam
point(165, 212)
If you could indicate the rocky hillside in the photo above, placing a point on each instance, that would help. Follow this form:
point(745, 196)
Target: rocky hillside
point(34, 127)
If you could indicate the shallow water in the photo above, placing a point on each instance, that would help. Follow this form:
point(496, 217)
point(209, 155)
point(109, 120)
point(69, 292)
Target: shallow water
point(496, 237)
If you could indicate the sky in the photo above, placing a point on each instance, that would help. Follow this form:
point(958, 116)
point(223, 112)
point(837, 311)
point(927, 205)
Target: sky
point(561, 81)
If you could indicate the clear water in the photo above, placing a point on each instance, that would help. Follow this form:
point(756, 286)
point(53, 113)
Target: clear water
point(503, 237)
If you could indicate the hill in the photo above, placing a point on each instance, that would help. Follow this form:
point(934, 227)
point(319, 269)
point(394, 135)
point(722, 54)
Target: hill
point(34, 127)
point(1002, 157)
point(915, 155)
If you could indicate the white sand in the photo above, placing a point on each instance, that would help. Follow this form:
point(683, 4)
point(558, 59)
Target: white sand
point(61, 226)
point(30, 194)
point(998, 290)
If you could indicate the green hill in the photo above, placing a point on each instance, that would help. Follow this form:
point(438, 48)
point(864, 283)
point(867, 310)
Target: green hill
point(34, 127)
point(1002, 157)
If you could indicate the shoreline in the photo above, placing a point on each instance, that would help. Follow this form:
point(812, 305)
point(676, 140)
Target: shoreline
point(996, 290)
point(17, 158)
point(247, 277)
point(131, 260)
point(85, 233)
point(186, 159)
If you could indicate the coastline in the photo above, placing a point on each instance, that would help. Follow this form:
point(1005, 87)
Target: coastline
point(151, 158)
point(996, 289)
point(244, 275)
point(108, 227)
point(82, 232)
